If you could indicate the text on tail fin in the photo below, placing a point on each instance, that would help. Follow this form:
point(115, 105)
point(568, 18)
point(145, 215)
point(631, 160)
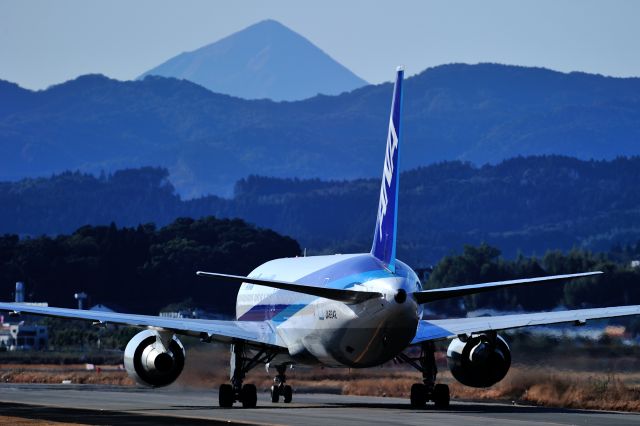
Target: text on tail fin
point(384, 239)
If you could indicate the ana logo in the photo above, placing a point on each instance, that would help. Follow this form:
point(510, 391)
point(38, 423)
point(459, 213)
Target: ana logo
point(392, 145)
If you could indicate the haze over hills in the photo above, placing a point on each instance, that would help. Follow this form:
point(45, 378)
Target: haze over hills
point(528, 205)
point(265, 60)
point(479, 113)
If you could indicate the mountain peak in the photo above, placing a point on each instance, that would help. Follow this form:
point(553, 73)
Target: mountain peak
point(269, 23)
point(265, 60)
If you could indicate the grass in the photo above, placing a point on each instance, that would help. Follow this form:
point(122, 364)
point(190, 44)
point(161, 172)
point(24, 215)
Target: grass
point(561, 388)
point(19, 421)
point(583, 386)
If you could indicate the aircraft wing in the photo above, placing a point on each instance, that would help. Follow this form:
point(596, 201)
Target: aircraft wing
point(447, 328)
point(432, 295)
point(260, 332)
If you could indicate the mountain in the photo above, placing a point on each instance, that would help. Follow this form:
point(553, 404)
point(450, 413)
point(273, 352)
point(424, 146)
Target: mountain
point(523, 205)
point(478, 113)
point(265, 60)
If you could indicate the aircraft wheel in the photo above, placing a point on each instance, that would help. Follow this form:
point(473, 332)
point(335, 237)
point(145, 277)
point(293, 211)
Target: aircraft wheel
point(441, 396)
point(275, 393)
point(249, 396)
point(225, 396)
point(418, 395)
point(288, 394)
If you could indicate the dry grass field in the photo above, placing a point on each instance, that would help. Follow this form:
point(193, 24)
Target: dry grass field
point(580, 381)
point(20, 421)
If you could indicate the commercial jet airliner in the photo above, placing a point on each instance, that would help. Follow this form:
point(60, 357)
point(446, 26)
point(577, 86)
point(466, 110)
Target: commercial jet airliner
point(347, 310)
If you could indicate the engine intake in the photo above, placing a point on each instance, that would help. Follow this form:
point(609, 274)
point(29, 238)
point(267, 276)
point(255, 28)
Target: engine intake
point(152, 363)
point(480, 361)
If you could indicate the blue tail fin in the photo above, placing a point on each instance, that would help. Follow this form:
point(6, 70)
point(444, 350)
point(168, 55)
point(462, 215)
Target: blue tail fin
point(384, 238)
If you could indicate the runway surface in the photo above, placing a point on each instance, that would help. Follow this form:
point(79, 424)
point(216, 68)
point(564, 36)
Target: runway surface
point(95, 404)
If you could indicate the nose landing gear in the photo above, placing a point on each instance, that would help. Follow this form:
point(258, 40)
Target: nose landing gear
point(279, 387)
point(428, 390)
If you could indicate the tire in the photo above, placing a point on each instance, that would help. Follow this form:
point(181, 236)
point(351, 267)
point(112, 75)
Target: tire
point(249, 396)
point(418, 395)
point(441, 396)
point(275, 393)
point(288, 394)
point(225, 396)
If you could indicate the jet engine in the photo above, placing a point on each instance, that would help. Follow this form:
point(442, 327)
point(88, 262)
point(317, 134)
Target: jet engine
point(153, 361)
point(479, 361)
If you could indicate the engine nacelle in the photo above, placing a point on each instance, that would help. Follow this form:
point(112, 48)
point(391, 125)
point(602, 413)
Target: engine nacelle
point(152, 363)
point(480, 361)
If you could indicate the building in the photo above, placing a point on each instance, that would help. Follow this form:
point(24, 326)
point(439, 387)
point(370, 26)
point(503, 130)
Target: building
point(23, 337)
point(101, 308)
point(193, 313)
point(15, 334)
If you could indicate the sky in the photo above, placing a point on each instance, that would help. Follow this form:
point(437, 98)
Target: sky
point(45, 42)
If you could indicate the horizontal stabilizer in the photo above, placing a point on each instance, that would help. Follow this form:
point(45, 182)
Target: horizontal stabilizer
point(341, 295)
point(427, 296)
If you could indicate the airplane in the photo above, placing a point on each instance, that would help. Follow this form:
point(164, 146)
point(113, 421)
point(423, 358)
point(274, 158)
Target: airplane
point(344, 310)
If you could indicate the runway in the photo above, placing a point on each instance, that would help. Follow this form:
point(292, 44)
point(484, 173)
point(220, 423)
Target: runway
point(97, 404)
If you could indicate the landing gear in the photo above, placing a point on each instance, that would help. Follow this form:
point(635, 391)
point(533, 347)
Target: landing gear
point(279, 387)
point(428, 390)
point(249, 396)
point(418, 395)
point(240, 365)
point(440, 396)
point(287, 394)
point(226, 395)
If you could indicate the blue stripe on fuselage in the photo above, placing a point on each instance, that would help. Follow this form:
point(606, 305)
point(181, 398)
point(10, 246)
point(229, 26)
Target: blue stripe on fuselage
point(267, 312)
point(345, 273)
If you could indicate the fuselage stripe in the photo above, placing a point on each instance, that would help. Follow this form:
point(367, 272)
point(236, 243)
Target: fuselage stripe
point(279, 313)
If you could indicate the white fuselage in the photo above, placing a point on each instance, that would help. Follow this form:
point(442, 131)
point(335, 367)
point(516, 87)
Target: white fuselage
point(329, 332)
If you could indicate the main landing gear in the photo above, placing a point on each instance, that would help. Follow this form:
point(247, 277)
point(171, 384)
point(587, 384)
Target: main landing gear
point(279, 387)
point(240, 365)
point(428, 390)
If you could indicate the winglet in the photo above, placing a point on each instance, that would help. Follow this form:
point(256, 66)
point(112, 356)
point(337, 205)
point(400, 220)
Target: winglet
point(384, 238)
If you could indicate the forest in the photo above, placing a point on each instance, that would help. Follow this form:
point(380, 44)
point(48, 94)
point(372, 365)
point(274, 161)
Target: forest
point(526, 205)
point(618, 285)
point(146, 270)
point(139, 269)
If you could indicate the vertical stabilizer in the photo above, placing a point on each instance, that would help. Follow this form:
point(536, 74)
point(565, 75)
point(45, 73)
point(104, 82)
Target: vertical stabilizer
point(384, 238)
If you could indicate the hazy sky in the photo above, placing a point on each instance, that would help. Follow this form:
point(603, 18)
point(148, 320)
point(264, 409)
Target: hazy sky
point(46, 42)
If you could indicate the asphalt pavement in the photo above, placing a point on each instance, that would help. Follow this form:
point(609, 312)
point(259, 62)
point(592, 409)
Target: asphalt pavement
point(97, 404)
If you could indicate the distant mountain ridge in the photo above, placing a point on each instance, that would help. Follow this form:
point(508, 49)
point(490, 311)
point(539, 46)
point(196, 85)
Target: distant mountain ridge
point(528, 205)
point(264, 60)
point(479, 113)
